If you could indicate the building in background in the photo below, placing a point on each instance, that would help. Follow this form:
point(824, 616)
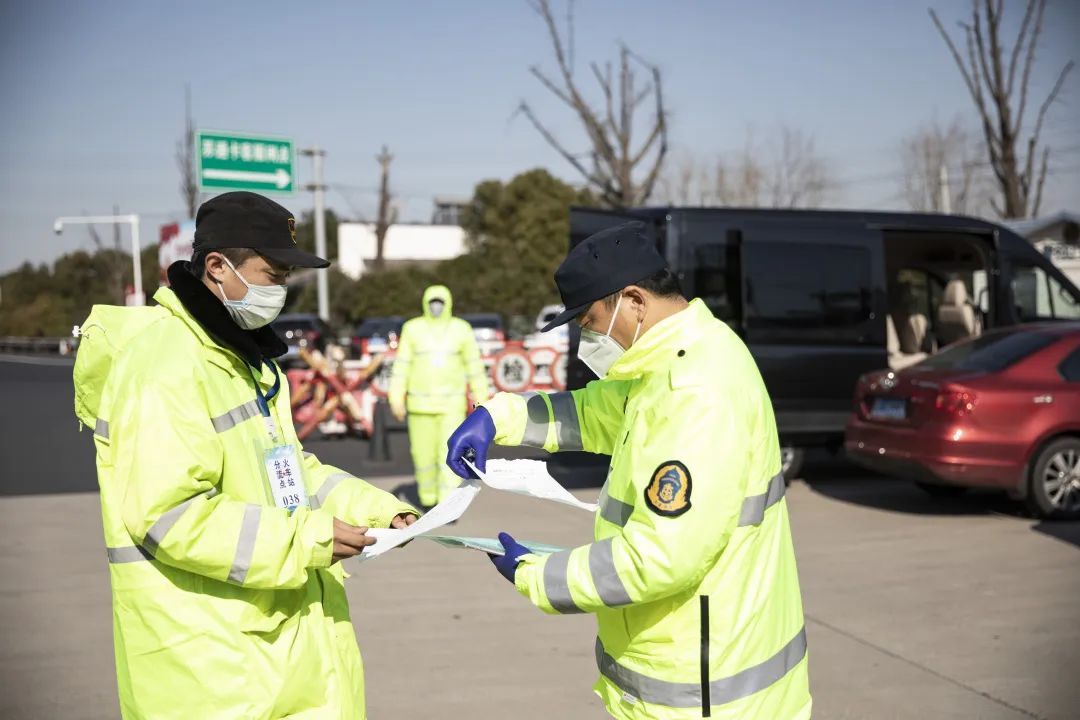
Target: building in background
point(406, 244)
point(448, 210)
point(1057, 237)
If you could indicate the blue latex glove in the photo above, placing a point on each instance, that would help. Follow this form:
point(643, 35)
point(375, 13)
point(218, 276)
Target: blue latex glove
point(507, 564)
point(472, 440)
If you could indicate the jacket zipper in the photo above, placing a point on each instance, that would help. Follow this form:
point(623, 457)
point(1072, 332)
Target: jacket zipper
point(706, 701)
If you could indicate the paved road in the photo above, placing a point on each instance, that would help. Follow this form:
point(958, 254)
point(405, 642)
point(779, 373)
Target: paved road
point(916, 608)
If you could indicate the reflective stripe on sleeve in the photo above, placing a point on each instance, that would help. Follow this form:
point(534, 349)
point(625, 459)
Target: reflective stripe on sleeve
point(615, 511)
point(327, 487)
point(609, 586)
point(101, 428)
point(245, 544)
point(754, 507)
point(161, 527)
point(555, 583)
point(567, 425)
point(126, 554)
point(236, 416)
point(538, 417)
point(721, 691)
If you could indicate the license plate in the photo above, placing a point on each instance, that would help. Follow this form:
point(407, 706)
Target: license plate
point(888, 409)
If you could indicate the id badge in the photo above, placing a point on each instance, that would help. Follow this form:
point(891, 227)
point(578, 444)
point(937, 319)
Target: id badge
point(284, 475)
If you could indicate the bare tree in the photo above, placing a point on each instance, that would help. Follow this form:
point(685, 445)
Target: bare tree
point(622, 173)
point(788, 174)
point(185, 159)
point(386, 215)
point(990, 74)
point(799, 177)
point(939, 161)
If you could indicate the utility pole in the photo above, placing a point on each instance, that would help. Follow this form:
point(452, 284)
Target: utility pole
point(322, 276)
point(943, 186)
point(382, 223)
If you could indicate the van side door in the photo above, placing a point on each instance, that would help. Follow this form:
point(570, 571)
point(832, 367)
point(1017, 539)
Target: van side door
point(813, 314)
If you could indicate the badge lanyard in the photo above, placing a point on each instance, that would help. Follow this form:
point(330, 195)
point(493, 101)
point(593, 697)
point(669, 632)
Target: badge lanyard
point(281, 462)
point(263, 400)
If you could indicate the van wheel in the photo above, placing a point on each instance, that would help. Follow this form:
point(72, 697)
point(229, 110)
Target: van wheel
point(941, 491)
point(1054, 489)
point(791, 462)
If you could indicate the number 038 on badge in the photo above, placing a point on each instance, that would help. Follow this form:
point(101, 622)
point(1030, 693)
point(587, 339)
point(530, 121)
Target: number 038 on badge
point(284, 476)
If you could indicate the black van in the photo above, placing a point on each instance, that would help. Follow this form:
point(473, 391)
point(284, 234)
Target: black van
point(822, 297)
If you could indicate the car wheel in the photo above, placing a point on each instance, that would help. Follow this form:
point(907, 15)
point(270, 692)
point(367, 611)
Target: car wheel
point(941, 491)
point(1054, 490)
point(791, 462)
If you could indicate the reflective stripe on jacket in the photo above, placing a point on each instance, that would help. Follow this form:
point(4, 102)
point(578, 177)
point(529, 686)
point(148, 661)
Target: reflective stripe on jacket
point(223, 605)
point(692, 572)
point(436, 358)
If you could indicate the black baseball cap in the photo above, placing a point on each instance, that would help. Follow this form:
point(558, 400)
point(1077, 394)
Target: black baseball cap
point(602, 264)
point(247, 220)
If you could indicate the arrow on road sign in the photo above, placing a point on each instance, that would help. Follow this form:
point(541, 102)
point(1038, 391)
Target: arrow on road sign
point(279, 178)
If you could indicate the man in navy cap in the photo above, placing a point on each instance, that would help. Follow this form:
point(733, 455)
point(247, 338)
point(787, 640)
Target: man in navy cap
point(224, 538)
point(691, 574)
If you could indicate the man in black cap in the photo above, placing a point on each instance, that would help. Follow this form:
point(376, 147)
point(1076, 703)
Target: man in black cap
point(223, 536)
point(692, 573)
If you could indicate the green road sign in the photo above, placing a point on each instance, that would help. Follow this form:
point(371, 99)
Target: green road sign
point(228, 161)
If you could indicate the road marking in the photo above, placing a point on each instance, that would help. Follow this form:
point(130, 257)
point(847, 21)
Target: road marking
point(33, 360)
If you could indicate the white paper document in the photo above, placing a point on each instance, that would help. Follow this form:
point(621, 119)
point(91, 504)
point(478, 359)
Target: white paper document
point(449, 510)
point(489, 545)
point(528, 477)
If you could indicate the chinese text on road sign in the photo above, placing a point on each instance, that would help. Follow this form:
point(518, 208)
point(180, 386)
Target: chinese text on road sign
point(229, 161)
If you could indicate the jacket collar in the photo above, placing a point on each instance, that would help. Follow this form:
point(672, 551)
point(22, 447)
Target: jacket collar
point(193, 302)
point(656, 350)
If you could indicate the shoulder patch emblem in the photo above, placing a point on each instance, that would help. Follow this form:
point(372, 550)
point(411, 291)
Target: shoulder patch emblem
point(668, 493)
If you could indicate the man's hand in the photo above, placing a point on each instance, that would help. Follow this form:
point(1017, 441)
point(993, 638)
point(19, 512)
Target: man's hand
point(349, 540)
point(507, 564)
point(398, 411)
point(475, 434)
point(403, 520)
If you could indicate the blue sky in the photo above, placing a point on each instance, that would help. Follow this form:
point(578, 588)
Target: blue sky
point(93, 93)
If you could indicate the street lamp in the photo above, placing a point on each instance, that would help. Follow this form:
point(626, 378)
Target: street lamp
point(136, 258)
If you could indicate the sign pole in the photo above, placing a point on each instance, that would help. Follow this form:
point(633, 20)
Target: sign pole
point(136, 260)
point(322, 277)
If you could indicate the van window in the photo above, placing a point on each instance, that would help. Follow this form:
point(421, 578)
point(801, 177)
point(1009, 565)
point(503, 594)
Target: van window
point(716, 279)
point(807, 292)
point(1039, 296)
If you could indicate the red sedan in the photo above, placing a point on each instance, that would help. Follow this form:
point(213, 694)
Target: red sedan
point(999, 411)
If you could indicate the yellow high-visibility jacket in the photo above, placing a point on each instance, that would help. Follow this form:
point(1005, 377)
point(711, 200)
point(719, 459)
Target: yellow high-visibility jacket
point(692, 572)
point(224, 606)
point(436, 357)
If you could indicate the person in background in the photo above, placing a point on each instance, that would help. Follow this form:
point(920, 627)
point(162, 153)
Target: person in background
point(437, 362)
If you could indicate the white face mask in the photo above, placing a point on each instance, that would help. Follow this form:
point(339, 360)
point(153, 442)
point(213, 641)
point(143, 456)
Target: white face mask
point(436, 307)
point(260, 305)
point(599, 352)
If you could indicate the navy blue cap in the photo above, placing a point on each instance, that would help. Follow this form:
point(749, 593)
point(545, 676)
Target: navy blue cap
point(603, 264)
point(246, 220)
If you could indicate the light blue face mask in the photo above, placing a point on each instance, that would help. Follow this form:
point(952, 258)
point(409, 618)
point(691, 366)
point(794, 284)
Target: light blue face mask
point(260, 305)
point(600, 352)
